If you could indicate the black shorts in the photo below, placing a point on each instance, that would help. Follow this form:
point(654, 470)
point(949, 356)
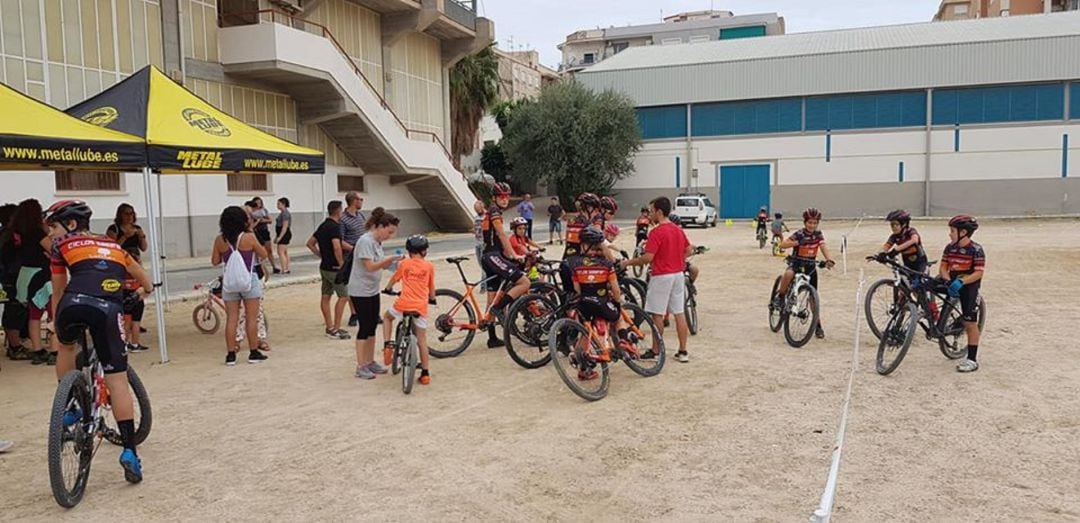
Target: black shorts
point(641, 236)
point(918, 264)
point(500, 269)
point(367, 314)
point(285, 240)
point(593, 307)
point(262, 233)
point(105, 321)
point(15, 318)
point(805, 267)
point(969, 301)
point(133, 306)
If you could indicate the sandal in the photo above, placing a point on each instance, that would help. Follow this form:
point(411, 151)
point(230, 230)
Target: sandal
point(263, 346)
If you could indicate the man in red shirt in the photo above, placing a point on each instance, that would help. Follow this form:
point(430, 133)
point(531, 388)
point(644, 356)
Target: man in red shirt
point(666, 249)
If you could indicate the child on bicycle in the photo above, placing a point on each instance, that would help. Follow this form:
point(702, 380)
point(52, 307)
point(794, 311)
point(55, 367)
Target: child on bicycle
point(905, 240)
point(806, 243)
point(778, 227)
point(417, 291)
point(762, 220)
point(597, 286)
point(641, 226)
point(962, 266)
point(520, 241)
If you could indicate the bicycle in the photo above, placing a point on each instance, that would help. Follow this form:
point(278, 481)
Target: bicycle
point(406, 349)
point(801, 302)
point(639, 250)
point(529, 319)
point(587, 346)
point(82, 392)
point(883, 295)
point(761, 237)
point(691, 295)
point(207, 314)
point(916, 300)
point(776, 250)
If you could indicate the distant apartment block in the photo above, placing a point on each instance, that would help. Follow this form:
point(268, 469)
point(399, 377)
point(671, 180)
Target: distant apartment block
point(968, 9)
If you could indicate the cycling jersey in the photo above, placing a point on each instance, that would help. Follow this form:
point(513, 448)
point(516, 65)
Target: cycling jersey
point(641, 228)
point(762, 219)
point(914, 255)
point(595, 275)
point(962, 261)
point(808, 243)
point(573, 234)
point(490, 227)
point(97, 264)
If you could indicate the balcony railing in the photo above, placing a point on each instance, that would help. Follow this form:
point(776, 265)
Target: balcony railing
point(462, 12)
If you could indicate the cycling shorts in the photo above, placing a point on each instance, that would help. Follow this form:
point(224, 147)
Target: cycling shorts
point(500, 269)
point(801, 266)
point(105, 321)
point(969, 301)
point(593, 307)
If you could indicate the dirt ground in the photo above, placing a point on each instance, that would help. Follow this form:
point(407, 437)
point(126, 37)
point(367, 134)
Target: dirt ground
point(742, 433)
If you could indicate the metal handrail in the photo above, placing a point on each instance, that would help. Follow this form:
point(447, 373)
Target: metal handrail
point(325, 33)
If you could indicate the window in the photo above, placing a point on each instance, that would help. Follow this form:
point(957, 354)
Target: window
point(756, 117)
point(961, 9)
point(346, 183)
point(619, 47)
point(1074, 101)
point(699, 38)
point(87, 181)
point(248, 183)
point(662, 122)
point(750, 31)
point(866, 111)
point(671, 41)
point(687, 202)
point(589, 58)
point(1014, 103)
point(237, 12)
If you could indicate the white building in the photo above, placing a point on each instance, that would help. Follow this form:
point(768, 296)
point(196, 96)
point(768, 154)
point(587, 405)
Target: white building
point(980, 116)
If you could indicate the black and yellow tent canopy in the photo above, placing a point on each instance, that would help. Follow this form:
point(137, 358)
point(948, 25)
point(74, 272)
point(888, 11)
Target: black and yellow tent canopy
point(185, 134)
point(35, 136)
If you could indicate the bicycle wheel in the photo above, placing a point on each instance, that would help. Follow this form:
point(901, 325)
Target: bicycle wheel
point(881, 302)
point(571, 351)
point(638, 269)
point(776, 315)
point(896, 338)
point(801, 322)
point(691, 308)
point(412, 353)
point(206, 318)
point(633, 290)
point(761, 241)
point(525, 330)
point(453, 317)
point(397, 361)
point(951, 327)
point(648, 355)
point(776, 251)
point(143, 416)
point(70, 447)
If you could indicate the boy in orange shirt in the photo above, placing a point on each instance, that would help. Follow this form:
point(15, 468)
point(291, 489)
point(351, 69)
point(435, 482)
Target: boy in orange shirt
point(417, 291)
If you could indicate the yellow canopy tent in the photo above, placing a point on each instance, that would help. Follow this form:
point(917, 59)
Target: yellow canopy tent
point(184, 134)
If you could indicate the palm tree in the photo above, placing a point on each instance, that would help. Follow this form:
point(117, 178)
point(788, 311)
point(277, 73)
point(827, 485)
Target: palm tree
point(474, 88)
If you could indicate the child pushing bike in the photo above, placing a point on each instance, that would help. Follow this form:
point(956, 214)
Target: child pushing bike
point(417, 277)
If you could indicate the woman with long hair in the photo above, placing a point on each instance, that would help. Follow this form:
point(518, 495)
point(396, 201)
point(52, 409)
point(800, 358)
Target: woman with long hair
point(261, 215)
point(33, 285)
point(125, 230)
point(235, 240)
point(283, 233)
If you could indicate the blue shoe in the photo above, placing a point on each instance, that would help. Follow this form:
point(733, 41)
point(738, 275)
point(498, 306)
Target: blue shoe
point(72, 416)
point(132, 466)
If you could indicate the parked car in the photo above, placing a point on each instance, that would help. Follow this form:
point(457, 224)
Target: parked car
point(695, 209)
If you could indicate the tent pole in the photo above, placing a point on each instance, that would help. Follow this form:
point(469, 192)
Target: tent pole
point(161, 244)
point(155, 264)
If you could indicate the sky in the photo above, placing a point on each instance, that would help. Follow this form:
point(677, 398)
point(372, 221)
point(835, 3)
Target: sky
point(543, 24)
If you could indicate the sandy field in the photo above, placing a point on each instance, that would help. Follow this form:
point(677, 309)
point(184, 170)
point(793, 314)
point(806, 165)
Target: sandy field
point(742, 433)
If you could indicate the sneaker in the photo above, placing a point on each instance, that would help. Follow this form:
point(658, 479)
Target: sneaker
point(40, 357)
point(255, 356)
point(343, 335)
point(72, 416)
point(142, 330)
point(967, 366)
point(819, 333)
point(777, 303)
point(354, 320)
point(51, 362)
point(19, 353)
point(374, 367)
point(277, 270)
point(230, 358)
point(425, 378)
point(137, 347)
point(682, 357)
point(495, 343)
point(132, 466)
point(364, 373)
point(648, 355)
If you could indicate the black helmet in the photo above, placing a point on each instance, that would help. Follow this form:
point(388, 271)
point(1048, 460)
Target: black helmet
point(811, 214)
point(609, 204)
point(778, 215)
point(416, 243)
point(964, 222)
point(899, 215)
point(588, 199)
point(65, 210)
point(644, 209)
point(591, 236)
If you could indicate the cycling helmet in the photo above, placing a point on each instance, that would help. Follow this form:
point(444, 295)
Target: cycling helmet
point(609, 204)
point(811, 214)
point(591, 236)
point(964, 222)
point(764, 208)
point(500, 189)
point(612, 229)
point(588, 199)
point(644, 209)
point(778, 215)
point(675, 219)
point(899, 215)
point(416, 243)
point(518, 222)
point(65, 210)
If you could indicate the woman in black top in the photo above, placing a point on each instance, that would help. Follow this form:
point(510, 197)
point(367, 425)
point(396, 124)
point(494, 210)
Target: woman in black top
point(125, 231)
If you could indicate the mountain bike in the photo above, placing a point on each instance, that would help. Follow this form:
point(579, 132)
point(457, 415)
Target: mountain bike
point(916, 300)
point(691, 294)
point(884, 296)
point(801, 303)
point(581, 348)
point(82, 416)
point(406, 349)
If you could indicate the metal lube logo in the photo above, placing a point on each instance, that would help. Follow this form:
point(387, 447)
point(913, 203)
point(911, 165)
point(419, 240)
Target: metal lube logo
point(205, 123)
point(102, 116)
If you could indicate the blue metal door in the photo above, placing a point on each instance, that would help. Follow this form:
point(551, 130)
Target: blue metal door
point(743, 190)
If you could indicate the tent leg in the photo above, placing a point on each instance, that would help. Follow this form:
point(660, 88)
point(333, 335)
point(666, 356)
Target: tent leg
point(161, 244)
point(155, 264)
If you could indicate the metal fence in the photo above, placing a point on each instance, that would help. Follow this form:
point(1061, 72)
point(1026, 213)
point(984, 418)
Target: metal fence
point(462, 12)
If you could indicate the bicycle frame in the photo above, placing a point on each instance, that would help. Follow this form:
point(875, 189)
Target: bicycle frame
point(600, 334)
point(470, 296)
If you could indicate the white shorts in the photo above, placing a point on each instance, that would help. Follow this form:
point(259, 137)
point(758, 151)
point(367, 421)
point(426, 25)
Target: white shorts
point(666, 293)
point(421, 322)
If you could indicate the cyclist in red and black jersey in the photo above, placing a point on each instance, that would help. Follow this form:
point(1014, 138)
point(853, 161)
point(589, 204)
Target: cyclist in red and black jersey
point(87, 276)
point(906, 241)
point(499, 259)
point(962, 265)
point(641, 226)
point(588, 206)
point(762, 219)
point(597, 285)
point(805, 244)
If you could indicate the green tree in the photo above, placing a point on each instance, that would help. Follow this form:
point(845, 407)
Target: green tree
point(504, 110)
point(474, 88)
point(575, 139)
point(494, 161)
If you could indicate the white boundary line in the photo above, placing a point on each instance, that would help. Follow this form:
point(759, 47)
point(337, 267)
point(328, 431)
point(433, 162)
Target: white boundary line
point(828, 497)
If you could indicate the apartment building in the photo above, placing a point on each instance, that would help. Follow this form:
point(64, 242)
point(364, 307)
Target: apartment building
point(521, 75)
point(967, 9)
point(365, 81)
point(587, 47)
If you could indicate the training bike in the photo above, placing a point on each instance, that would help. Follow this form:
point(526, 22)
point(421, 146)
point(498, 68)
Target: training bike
point(406, 357)
point(798, 309)
point(776, 250)
point(916, 300)
point(81, 417)
point(207, 313)
point(582, 350)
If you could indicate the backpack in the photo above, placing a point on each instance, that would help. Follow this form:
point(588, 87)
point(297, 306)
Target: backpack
point(237, 275)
